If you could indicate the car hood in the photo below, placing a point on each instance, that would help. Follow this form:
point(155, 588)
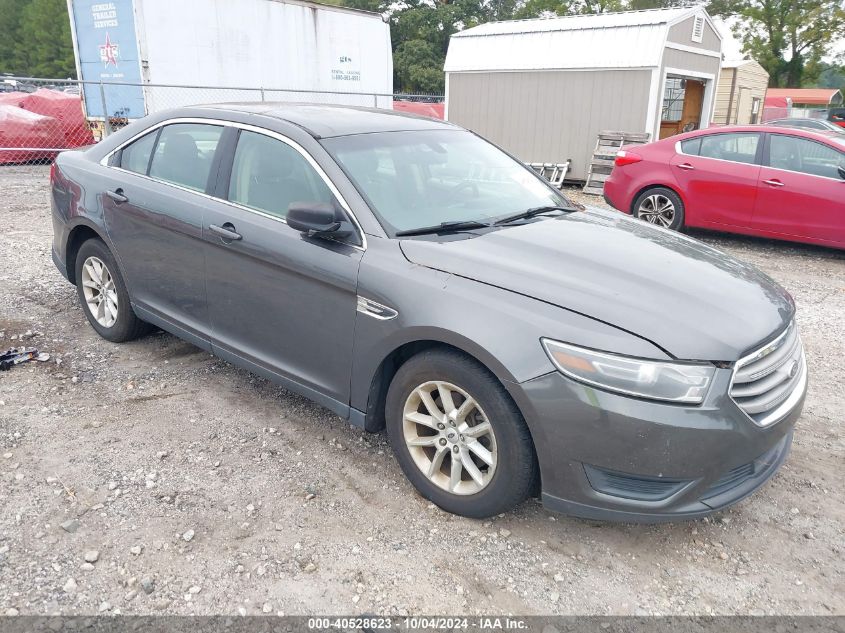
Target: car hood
point(682, 295)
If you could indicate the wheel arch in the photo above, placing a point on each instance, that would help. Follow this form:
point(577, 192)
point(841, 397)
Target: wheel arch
point(673, 188)
point(399, 354)
point(77, 236)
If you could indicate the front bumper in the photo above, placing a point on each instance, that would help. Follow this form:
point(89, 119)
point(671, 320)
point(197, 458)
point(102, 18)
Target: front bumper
point(612, 457)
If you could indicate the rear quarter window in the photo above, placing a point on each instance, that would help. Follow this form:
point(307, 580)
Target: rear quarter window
point(691, 146)
point(135, 157)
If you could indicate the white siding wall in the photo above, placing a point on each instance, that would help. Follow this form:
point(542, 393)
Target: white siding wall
point(550, 116)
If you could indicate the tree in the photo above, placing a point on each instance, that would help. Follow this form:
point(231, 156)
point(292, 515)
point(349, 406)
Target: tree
point(788, 38)
point(45, 41)
point(420, 32)
point(418, 67)
point(831, 75)
point(35, 38)
point(10, 59)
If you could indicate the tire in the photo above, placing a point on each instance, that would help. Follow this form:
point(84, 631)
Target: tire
point(508, 444)
point(119, 328)
point(645, 201)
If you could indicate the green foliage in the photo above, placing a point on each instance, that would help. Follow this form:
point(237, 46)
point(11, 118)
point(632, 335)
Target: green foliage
point(831, 76)
point(788, 38)
point(10, 49)
point(420, 33)
point(35, 39)
point(418, 67)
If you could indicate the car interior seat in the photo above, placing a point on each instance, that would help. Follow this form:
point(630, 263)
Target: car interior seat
point(277, 180)
point(784, 155)
point(382, 189)
point(181, 163)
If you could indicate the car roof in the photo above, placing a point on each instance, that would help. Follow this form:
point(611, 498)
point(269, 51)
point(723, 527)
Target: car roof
point(325, 120)
point(796, 119)
point(829, 135)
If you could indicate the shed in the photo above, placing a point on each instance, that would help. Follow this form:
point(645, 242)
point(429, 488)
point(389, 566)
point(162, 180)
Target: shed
point(740, 92)
point(544, 88)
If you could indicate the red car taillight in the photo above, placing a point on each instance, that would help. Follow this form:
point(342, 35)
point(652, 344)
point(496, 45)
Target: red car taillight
point(53, 172)
point(624, 157)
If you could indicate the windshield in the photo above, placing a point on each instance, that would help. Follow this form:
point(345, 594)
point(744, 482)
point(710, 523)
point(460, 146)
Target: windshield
point(424, 178)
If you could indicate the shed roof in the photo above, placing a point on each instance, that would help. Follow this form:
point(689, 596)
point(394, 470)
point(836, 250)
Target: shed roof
point(628, 39)
point(736, 63)
point(809, 96)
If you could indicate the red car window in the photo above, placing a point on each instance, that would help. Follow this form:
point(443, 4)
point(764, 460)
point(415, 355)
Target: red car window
point(805, 156)
point(739, 147)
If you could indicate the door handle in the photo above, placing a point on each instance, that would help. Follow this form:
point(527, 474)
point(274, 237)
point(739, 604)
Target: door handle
point(117, 196)
point(685, 166)
point(774, 182)
point(226, 232)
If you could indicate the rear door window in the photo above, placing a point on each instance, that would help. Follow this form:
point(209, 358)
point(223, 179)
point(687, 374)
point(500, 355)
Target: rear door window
point(805, 156)
point(737, 147)
point(184, 154)
point(269, 175)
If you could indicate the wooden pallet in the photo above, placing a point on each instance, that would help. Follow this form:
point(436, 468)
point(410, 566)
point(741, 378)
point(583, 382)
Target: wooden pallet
point(607, 144)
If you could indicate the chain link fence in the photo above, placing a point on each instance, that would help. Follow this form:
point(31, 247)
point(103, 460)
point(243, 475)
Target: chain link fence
point(41, 117)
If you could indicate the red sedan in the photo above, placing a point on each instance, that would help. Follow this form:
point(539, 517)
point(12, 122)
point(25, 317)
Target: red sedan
point(787, 184)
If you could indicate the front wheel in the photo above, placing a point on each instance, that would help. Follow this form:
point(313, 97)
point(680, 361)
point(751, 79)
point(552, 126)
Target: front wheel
point(458, 436)
point(662, 207)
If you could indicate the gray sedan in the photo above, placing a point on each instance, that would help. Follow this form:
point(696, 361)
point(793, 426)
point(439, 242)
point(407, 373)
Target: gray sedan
point(404, 273)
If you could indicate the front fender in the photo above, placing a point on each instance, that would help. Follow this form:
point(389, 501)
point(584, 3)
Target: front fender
point(501, 329)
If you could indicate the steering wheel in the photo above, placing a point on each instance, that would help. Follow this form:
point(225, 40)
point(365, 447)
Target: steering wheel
point(466, 184)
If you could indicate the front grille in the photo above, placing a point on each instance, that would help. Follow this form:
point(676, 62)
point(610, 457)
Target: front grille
point(768, 383)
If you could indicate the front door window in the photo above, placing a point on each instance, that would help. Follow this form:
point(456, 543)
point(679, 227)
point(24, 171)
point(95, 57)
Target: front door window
point(269, 175)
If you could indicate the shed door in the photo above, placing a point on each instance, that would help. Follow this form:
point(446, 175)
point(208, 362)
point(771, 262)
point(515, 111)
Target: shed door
point(682, 104)
point(743, 112)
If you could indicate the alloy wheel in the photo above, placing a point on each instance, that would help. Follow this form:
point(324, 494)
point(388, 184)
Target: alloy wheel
point(449, 437)
point(99, 291)
point(657, 209)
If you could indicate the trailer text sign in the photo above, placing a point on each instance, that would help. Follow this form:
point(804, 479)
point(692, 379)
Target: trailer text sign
point(107, 51)
point(346, 63)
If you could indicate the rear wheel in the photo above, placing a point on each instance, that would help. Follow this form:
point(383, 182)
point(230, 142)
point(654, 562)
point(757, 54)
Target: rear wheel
point(662, 207)
point(103, 295)
point(458, 436)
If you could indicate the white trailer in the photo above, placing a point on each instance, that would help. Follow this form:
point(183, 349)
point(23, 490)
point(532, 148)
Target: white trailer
point(226, 50)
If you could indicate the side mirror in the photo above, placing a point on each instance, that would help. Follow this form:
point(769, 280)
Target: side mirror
point(841, 171)
point(318, 218)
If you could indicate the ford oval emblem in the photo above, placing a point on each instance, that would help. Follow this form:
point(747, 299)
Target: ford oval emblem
point(793, 369)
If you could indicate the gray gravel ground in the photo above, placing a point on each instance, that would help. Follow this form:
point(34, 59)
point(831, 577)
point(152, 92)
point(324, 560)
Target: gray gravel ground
point(152, 478)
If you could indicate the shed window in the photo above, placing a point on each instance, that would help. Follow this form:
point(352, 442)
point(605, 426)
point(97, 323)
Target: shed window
point(698, 28)
point(673, 99)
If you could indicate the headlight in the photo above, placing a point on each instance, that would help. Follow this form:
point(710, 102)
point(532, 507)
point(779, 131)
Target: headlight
point(674, 382)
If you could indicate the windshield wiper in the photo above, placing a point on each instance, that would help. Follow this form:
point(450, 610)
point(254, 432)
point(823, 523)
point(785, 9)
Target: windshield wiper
point(444, 227)
point(530, 213)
